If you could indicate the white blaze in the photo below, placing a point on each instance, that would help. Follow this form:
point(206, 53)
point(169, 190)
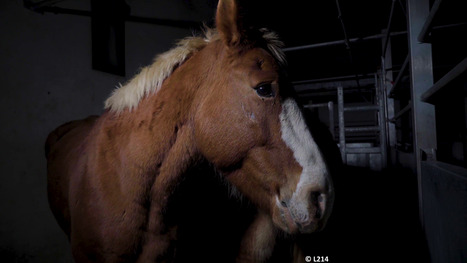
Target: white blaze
point(298, 138)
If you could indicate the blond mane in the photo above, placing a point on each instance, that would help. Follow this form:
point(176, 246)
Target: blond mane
point(149, 79)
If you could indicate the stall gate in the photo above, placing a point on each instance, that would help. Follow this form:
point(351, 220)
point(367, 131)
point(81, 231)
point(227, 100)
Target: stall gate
point(442, 182)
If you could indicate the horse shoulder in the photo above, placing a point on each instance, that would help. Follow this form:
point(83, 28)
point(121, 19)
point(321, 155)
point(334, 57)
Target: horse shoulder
point(61, 148)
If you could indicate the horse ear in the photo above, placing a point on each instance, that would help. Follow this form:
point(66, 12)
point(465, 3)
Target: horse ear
point(228, 22)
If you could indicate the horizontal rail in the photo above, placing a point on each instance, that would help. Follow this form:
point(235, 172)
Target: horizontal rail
point(362, 108)
point(363, 150)
point(423, 36)
point(317, 105)
point(451, 75)
point(356, 39)
point(401, 112)
point(341, 42)
point(362, 129)
point(333, 79)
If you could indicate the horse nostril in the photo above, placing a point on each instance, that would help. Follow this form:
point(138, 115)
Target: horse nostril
point(283, 203)
point(316, 197)
point(318, 200)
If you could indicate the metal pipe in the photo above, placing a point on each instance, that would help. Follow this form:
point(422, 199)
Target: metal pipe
point(340, 106)
point(399, 76)
point(60, 10)
point(357, 39)
point(331, 117)
point(364, 150)
point(340, 78)
point(362, 108)
point(428, 95)
point(402, 112)
point(317, 105)
point(362, 129)
point(380, 92)
point(422, 36)
point(388, 28)
point(340, 42)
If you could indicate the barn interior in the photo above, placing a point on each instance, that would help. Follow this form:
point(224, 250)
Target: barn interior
point(387, 79)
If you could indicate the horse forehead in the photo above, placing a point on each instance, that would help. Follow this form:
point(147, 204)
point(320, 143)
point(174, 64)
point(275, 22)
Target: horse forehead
point(252, 58)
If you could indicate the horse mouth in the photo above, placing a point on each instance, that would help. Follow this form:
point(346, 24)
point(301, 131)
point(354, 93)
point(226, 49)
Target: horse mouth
point(292, 226)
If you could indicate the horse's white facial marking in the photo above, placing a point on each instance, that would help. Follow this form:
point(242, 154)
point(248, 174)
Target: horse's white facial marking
point(298, 138)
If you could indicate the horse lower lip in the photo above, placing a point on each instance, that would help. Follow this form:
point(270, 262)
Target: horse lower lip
point(288, 220)
point(311, 227)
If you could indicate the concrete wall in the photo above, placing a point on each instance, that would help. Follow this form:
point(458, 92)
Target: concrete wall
point(45, 80)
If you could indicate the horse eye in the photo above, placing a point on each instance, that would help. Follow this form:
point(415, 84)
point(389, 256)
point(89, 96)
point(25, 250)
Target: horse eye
point(265, 90)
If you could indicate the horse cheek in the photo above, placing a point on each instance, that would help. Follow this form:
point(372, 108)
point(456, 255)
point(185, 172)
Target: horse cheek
point(222, 142)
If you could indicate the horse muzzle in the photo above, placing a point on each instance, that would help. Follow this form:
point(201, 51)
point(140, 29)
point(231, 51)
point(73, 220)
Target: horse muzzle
point(304, 216)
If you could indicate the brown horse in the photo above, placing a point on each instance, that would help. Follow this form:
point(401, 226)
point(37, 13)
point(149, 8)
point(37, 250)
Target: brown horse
point(220, 99)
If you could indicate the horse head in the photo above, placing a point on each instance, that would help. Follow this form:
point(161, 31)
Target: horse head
point(251, 129)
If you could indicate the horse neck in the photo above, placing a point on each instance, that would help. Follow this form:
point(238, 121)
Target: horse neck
point(163, 121)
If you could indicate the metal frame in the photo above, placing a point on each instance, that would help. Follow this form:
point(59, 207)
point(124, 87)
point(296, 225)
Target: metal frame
point(341, 42)
point(441, 187)
point(421, 78)
point(340, 108)
point(380, 128)
point(423, 36)
point(458, 70)
point(399, 77)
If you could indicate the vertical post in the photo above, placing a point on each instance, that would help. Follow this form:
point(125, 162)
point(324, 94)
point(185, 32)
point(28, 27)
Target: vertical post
point(387, 79)
point(331, 118)
point(379, 86)
point(340, 108)
point(421, 79)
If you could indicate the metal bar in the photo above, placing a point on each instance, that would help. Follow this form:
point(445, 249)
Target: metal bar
point(346, 84)
point(428, 95)
point(362, 129)
point(341, 42)
point(422, 36)
point(382, 118)
point(341, 20)
point(388, 28)
point(401, 112)
point(399, 76)
point(364, 150)
point(390, 128)
point(317, 105)
point(362, 108)
point(36, 6)
point(421, 71)
point(449, 26)
point(340, 107)
point(339, 78)
point(358, 39)
point(60, 10)
point(331, 118)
